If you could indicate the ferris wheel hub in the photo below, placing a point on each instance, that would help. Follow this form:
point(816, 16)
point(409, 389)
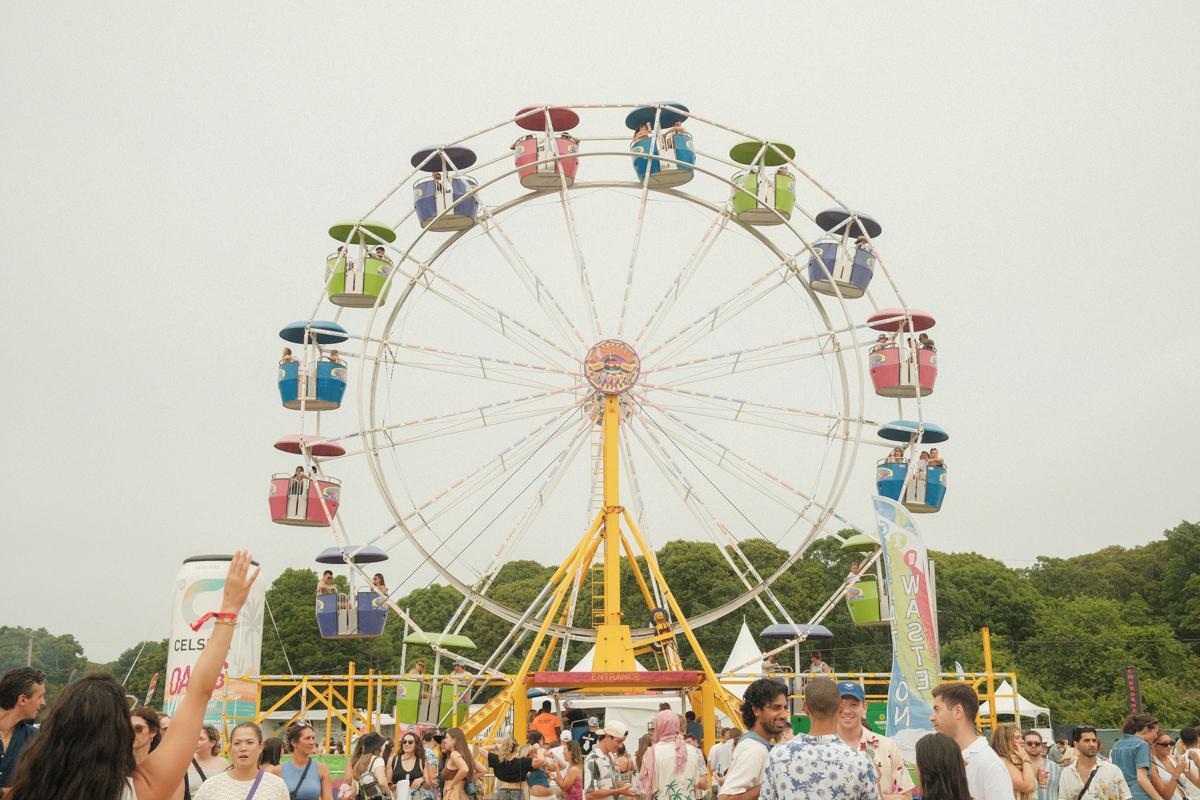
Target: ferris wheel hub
point(612, 366)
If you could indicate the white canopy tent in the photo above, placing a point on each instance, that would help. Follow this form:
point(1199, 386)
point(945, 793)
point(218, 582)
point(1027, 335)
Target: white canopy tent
point(1011, 704)
point(585, 663)
point(744, 649)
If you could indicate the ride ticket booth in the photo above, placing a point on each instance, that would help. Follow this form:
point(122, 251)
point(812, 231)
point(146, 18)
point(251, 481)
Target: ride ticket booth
point(359, 613)
point(446, 200)
point(546, 158)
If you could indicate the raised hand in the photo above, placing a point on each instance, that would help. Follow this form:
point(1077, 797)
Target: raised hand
point(238, 581)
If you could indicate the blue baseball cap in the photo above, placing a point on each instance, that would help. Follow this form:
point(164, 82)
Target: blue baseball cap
point(852, 689)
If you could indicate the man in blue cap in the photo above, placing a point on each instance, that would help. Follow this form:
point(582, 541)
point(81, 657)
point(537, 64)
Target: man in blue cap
point(895, 782)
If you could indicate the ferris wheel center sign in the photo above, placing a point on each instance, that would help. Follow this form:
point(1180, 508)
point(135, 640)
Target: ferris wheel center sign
point(612, 366)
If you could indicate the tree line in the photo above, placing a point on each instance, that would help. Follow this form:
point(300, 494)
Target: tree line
point(1066, 626)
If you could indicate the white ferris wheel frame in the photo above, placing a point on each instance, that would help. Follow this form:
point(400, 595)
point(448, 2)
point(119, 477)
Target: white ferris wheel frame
point(792, 264)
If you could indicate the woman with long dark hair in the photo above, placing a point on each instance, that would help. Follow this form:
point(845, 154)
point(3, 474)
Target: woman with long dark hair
point(85, 746)
point(940, 769)
point(412, 766)
point(147, 732)
point(305, 777)
point(272, 752)
point(366, 771)
point(461, 768)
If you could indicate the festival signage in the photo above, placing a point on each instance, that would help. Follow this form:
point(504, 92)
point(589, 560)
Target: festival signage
point(1133, 690)
point(198, 590)
point(915, 658)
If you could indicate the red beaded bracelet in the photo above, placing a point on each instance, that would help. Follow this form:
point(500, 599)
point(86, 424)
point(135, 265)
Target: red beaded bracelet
point(229, 619)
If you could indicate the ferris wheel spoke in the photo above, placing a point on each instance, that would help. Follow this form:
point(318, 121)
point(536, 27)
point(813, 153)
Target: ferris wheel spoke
point(444, 541)
point(498, 320)
point(725, 458)
point(472, 365)
point(675, 289)
point(533, 284)
point(723, 537)
point(565, 458)
point(822, 337)
point(736, 408)
point(474, 418)
point(585, 283)
point(704, 325)
point(637, 235)
point(460, 490)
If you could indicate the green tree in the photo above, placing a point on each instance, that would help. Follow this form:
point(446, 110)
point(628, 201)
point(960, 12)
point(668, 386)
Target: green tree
point(57, 656)
point(140, 665)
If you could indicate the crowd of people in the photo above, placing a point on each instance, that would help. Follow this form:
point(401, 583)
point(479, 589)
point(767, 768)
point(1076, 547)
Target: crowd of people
point(568, 755)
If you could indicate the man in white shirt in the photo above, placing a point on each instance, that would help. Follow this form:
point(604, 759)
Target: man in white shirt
point(600, 768)
point(765, 713)
point(955, 705)
point(719, 756)
point(1103, 779)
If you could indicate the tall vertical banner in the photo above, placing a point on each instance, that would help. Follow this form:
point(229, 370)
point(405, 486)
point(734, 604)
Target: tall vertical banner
point(915, 659)
point(198, 590)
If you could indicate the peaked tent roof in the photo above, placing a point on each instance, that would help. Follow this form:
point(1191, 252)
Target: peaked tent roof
point(585, 663)
point(744, 649)
point(1009, 705)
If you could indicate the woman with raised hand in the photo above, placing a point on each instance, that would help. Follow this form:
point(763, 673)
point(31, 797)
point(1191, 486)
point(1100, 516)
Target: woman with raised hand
point(245, 780)
point(69, 759)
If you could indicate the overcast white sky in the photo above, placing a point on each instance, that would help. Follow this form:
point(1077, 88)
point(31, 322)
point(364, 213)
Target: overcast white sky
point(170, 170)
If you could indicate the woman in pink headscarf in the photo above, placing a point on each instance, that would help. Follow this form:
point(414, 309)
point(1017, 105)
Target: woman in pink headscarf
point(671, 769)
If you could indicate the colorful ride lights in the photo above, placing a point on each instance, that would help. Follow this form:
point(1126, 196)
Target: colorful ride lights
point(923, 491)
point(867, 598)
point(843, 262)
point(669, 157)
point(445, 201)
point(360, 614)
point(546, 158)
point(760, 196)
point(312, 380)
point(904, 363)
point(356, 273)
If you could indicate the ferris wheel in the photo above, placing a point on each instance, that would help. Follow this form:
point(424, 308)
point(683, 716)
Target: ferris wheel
point(584, 331)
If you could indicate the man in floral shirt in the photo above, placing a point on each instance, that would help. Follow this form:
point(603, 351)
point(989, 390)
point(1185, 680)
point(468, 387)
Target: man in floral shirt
point(895, 782)
point(819, 765)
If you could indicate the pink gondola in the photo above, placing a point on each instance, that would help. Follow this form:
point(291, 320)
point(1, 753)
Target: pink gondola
point(307, 501)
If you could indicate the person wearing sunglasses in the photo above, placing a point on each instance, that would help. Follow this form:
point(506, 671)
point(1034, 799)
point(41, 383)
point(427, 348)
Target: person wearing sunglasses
point(412, 775)
point(1167, 770)
point(1047, 772)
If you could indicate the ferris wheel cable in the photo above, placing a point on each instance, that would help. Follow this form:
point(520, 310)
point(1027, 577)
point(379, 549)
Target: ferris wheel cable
point(585, 283)
point(526, 276)
point(741, 300)
point(485, 312)
point(722, 527)
point(503, 483)
point(707, 520)
point(689, 268)
point(639, 222)
point(709, 448)
point(475, 410)
point(826, 335)
point(766, 410)
point(470, 357)
point(760, 421)
point(478, 372)
point(513, 453)
point(517, 532)
point(465, 426)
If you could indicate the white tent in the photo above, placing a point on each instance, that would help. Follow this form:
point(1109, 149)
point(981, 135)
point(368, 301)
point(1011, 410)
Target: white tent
point(1011, 704)
point(585, 663)
point(744, 649)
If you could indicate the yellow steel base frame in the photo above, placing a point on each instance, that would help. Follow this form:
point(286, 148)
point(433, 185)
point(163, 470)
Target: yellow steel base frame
point(615, 647)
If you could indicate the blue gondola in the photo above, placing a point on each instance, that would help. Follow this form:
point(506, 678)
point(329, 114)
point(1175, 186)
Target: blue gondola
point(671, 157)
point(357, 614)
point(445, 201)
point(319, 385)
point(925, 490)
point(841, 262)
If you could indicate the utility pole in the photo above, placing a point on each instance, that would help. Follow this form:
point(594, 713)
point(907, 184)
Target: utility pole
point(29, 653)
